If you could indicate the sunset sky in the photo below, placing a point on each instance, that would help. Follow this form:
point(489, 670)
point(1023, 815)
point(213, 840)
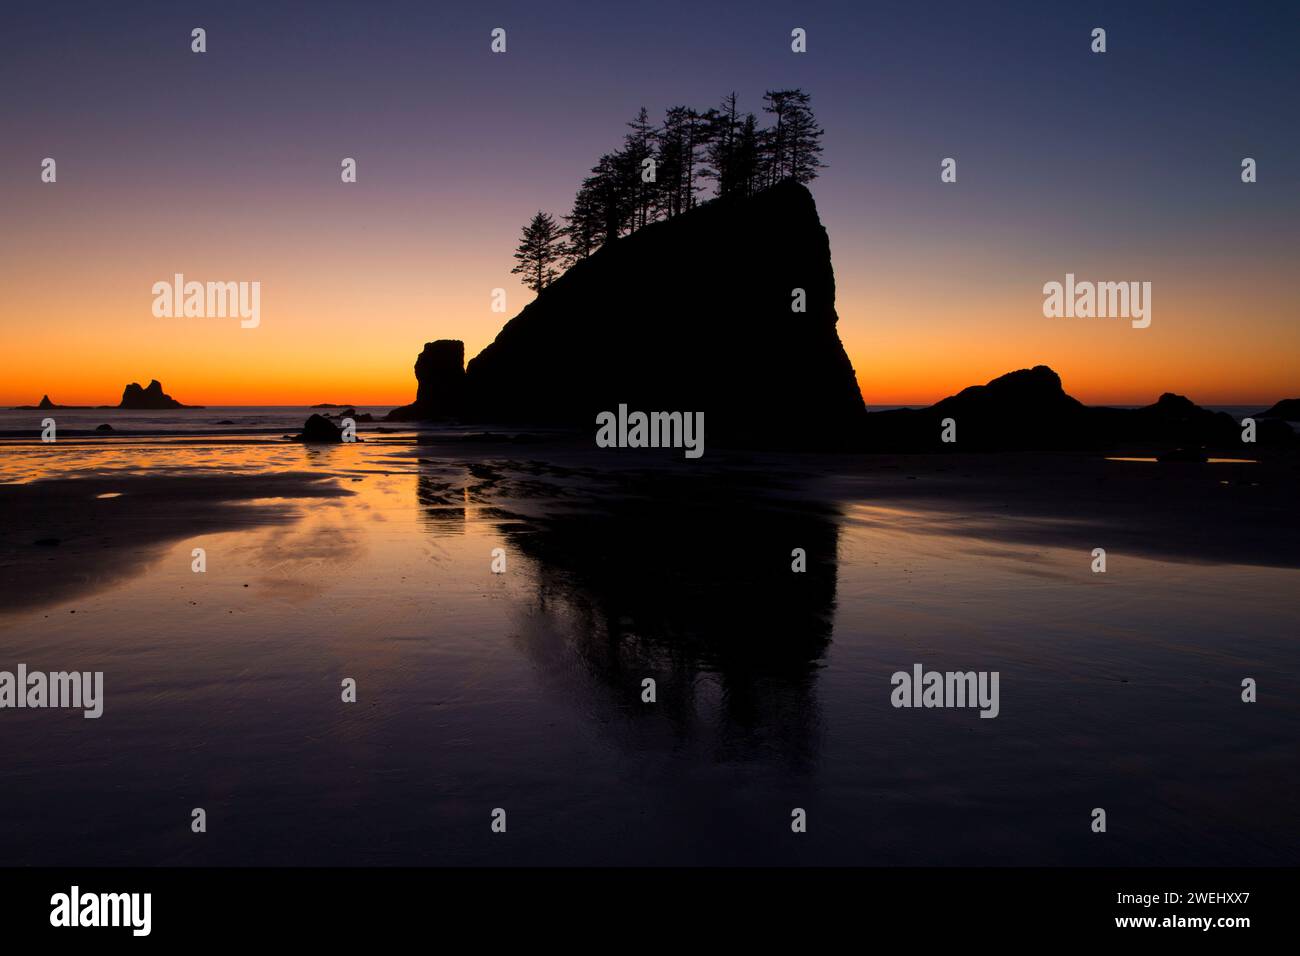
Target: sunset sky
point(225, 166)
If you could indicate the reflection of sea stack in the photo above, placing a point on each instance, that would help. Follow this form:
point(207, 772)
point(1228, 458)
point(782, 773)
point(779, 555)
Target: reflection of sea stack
point(153, 397)
point(696, 313)
point(641, 572)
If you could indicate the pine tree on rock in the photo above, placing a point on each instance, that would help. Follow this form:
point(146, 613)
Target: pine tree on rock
point(539, 252)
point(721, 144)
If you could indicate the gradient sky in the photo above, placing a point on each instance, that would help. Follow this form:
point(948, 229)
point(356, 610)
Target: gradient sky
point(225, 166)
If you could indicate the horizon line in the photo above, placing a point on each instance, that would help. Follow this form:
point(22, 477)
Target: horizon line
point(74, 405)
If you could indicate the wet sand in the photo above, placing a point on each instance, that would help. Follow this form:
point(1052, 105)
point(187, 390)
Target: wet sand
point(523, 689)
point(63, 537)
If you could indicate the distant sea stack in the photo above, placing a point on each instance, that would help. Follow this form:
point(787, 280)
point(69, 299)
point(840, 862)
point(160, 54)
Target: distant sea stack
point(691, 314)
point(47, 405)
point(153, 397)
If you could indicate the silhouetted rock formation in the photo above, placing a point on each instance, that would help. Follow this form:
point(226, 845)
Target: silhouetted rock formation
point(692, 314)
point(1176, 424)
point(1025, 409)
point(1288, 410)
point(153, 397)
point(319, 429)
point(106, 427)
point(47, 405)
point(1029, 400)
point(1028, 410)
point(440, 374)
point(1173, 418)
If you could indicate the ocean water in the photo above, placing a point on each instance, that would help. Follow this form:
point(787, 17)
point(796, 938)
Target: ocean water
point(233, 420)
point(250, 420)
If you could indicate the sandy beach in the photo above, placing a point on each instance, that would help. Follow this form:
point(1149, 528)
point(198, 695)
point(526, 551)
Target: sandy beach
point(375, 562)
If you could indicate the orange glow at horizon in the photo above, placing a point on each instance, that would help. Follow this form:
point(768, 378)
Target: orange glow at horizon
point(343, 318)
point(214, 362)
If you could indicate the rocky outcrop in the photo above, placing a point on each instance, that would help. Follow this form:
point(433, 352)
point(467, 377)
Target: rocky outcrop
point(440, 378)
point(694, 314)
point(1029, 410)
point(1026, 409)
point(320, 430)
point(153, 397)
point(1288, 410)
point(47, 405)
point(1029, 401)
point(1173, 418)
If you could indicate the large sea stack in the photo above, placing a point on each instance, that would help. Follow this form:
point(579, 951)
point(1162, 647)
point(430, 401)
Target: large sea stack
point(440, 393)
point(693, 314)
point(153, 397)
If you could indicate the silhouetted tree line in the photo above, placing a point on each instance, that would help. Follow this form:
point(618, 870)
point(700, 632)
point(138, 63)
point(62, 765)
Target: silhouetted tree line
point(661, 169)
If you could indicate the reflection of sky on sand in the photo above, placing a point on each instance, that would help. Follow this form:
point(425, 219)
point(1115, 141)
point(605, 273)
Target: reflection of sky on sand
point(522, 690)
point(72, 457)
